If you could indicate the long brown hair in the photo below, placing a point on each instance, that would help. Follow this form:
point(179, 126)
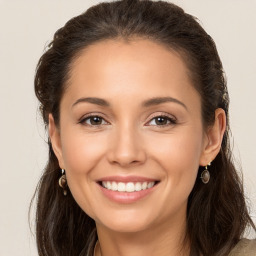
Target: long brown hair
point(217, 214)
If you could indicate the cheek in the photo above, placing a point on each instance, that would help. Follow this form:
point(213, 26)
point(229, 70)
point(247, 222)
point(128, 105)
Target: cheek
point(178, 154)
point(81, 156)
point(178, 149)
point(81, 153)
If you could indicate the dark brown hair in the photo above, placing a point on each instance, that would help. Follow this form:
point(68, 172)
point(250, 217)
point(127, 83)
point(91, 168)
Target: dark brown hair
point(217, 215)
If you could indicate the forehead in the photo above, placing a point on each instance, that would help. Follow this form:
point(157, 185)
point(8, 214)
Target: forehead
point(122, 55)
point(114, 67)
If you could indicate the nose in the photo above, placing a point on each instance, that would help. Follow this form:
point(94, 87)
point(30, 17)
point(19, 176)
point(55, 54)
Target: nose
point(126, 148)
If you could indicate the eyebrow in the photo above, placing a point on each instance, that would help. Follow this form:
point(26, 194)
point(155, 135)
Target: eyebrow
point(160, 100)
point(146, 103)
point(93, 100)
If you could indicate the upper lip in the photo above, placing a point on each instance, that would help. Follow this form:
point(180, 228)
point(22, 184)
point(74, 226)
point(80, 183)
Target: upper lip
point(127, 179)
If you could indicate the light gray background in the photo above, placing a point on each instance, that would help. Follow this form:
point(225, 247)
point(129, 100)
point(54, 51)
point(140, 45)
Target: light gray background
point(25, 29)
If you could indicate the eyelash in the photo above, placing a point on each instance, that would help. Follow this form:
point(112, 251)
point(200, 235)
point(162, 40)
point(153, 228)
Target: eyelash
point(88, 117)
point(170, 119)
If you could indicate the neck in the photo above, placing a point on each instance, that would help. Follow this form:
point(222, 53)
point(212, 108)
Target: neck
point(161, 240)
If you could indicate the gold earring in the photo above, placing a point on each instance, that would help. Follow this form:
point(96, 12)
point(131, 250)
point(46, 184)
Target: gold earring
point(205, 175)
point(63, 182)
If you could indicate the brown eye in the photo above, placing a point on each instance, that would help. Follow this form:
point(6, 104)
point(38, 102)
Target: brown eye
point(93, 121)
point(162, 121)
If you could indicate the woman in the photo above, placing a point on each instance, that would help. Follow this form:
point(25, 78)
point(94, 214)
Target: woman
point(134, 96)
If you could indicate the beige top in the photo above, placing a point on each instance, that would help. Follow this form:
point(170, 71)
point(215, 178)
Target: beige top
point(245, 247)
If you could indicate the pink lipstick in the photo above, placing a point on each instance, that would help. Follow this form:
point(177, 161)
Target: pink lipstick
point(127, 189)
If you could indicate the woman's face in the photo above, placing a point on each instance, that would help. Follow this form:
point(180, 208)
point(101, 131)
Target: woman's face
point(130, 119)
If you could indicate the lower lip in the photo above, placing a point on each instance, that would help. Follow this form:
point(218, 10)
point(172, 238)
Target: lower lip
point(126, 197)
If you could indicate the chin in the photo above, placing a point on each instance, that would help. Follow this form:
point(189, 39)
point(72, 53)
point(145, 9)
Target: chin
point(125, 222)
point(126, 227)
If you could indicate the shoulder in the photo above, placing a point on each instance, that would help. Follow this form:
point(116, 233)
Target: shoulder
point(244, 247)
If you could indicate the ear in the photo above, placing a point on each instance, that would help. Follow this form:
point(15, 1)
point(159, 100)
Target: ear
point(54, 134)
point(213, 138)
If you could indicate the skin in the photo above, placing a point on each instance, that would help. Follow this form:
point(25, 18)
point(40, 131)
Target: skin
point(128, 140)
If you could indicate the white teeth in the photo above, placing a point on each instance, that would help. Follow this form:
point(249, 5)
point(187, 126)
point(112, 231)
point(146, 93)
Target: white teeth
point(144, 185)
point(120, 187)
point(127, 187)
point(151, 184)
point(138, 186)
point(114, 186)
point(109, 185)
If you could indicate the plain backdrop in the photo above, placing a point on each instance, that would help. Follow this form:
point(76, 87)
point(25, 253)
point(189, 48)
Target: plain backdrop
point(26, 27)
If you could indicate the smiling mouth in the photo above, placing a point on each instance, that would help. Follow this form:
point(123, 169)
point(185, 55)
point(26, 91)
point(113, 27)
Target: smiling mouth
point(127, 186)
